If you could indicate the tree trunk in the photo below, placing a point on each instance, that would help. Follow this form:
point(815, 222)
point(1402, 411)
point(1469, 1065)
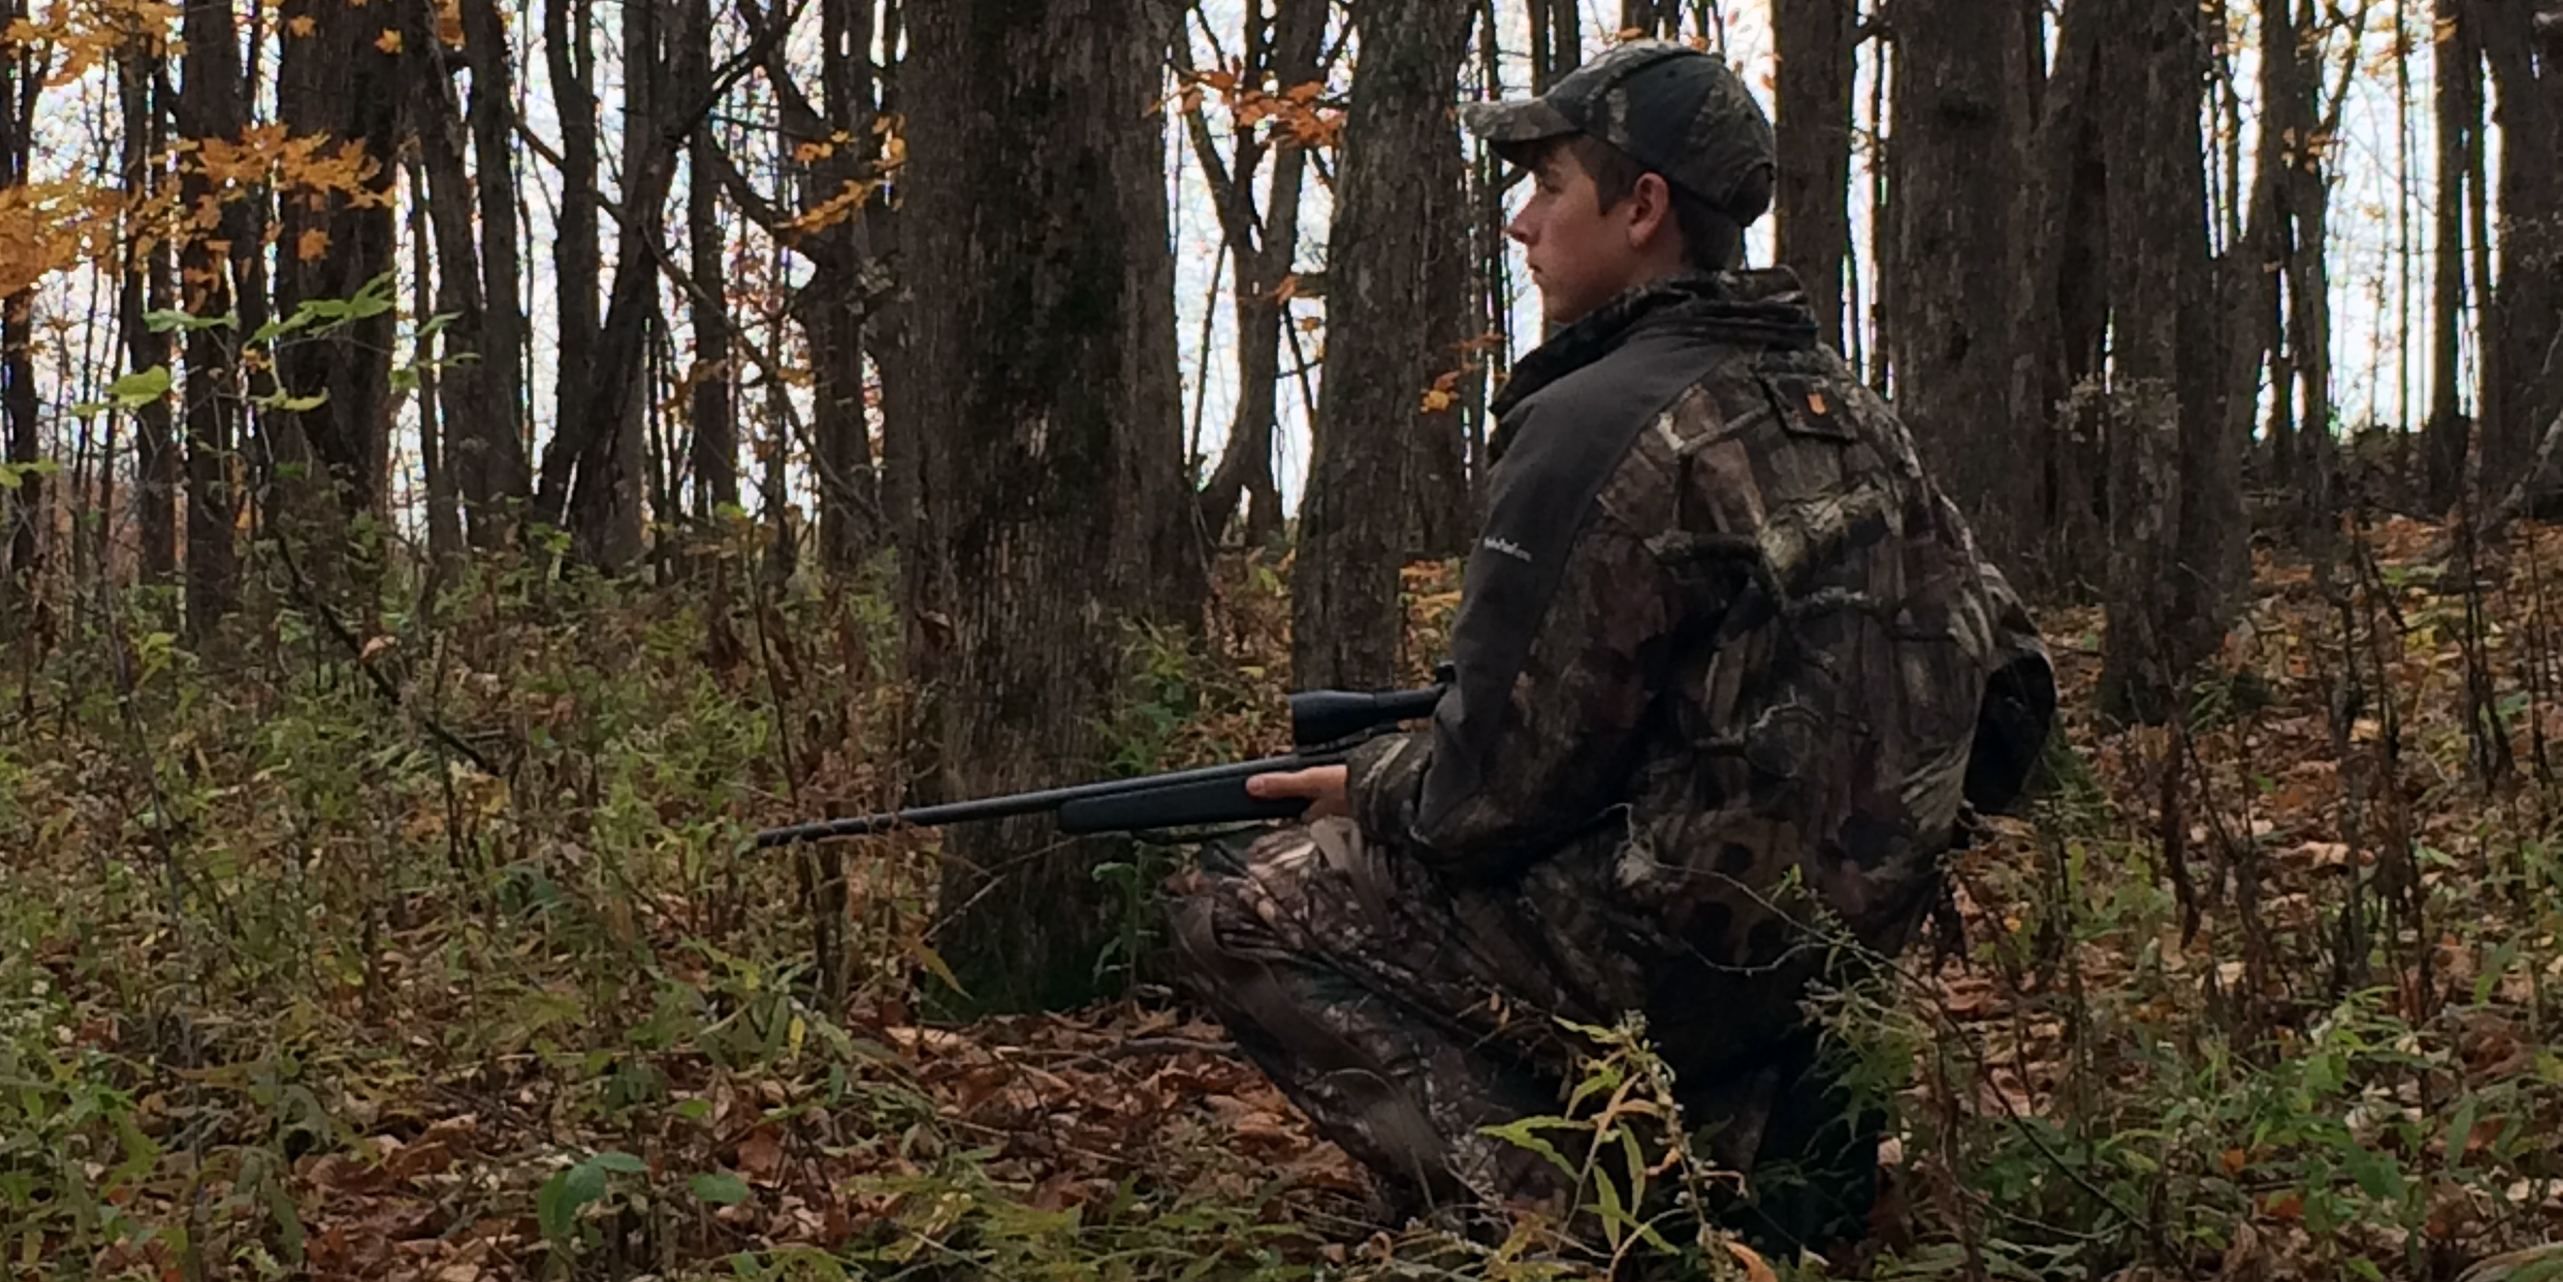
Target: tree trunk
point(1441, 518)
point(437, 414)
point(1817, 56)
point(210, 106)
point(471, 411)
point(339, 82)
point(837, 308)
point(578, 263)
point(2526, 58)
point(2458, 106)
point(2307, 192)
point(1043, 340)
point(2066, 304)
point(606, 502)
point(1651, 19)
point(489, 454)
point(1399, 173)
point(1557, 41)
point(147, 287)
point(2175, 497)
point(1961, 122)
point(1264, 249)
point(25, 517)
point(715, 453)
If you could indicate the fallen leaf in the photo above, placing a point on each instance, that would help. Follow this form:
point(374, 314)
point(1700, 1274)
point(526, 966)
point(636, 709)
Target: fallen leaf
point(761, 1157)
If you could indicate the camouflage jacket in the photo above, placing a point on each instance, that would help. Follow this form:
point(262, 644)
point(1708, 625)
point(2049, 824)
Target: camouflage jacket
point(1719, 625)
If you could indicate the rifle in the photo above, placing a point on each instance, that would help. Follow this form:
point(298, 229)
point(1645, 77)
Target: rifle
point(1325, 727)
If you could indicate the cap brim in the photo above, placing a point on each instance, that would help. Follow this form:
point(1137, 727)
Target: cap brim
point(1526, 120)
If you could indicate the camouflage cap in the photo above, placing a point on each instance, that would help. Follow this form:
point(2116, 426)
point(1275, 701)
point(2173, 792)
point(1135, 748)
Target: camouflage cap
point(1674, 109)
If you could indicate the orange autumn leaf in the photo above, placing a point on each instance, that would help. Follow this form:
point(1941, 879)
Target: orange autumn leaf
point(313, 243)
point(1756, 1269)
point(301, 25)
point(389, 41)
point(1443, 394)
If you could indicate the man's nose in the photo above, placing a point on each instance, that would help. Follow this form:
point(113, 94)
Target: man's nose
point(1520, 228)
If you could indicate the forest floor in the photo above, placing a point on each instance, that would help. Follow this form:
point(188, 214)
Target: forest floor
point(435, 957)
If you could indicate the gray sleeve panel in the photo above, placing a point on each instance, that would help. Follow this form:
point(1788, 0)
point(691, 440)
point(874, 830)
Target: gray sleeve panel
point(1565, 443)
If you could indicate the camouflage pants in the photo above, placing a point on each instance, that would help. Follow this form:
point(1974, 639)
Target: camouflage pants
point(1403, 1013)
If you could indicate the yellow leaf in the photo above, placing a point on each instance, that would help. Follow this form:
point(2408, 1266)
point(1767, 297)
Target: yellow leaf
point(312, 245)
point(302, 25)
point(389, 41)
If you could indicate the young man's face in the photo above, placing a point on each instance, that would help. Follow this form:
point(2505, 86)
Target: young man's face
point(1582, 255)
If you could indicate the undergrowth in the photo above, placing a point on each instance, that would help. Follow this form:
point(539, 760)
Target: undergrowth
point(429, 945)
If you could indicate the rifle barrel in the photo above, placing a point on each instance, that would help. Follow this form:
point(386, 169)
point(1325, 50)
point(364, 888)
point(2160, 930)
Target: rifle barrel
point(1027, 803)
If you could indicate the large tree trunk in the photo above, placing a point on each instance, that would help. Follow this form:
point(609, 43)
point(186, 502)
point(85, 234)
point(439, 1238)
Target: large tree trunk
point(339, 82)
point(2175, 494)
point(1961, 123)
point(1046, 407)
point(1399, 175)
point(210, 106)
point(2526, 58)
point(146, 287)
point(490, 455)
point(1817, 54)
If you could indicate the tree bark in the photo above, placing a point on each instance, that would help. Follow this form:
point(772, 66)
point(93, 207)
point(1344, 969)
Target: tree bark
point(1398, 177)
point(491, 471)
point(2304, 135)
point(2175, 498)
point(1557, 41)
point(147, 286)
point(1651, 19)
point(1817, 47)
point(211, 106)
point(25, 514)
point(1961, 122)
point(342, 83)
point(462, 389)
point(578, 264)
point(2066, 305)
point(837, 309)
point(1043, 341)
point(2525, 54)
point(715, 450)
point(2458, 106)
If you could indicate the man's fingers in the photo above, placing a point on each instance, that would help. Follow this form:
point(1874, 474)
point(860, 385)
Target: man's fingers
point(1295, 783)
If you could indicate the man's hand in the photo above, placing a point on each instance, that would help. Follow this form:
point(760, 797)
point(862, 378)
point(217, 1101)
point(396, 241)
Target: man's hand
point(1322, 785)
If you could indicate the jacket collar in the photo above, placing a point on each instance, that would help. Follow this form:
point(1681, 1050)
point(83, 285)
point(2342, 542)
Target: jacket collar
point(1763, 308)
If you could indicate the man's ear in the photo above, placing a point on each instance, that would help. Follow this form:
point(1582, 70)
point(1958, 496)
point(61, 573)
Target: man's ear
point(1650, 204)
